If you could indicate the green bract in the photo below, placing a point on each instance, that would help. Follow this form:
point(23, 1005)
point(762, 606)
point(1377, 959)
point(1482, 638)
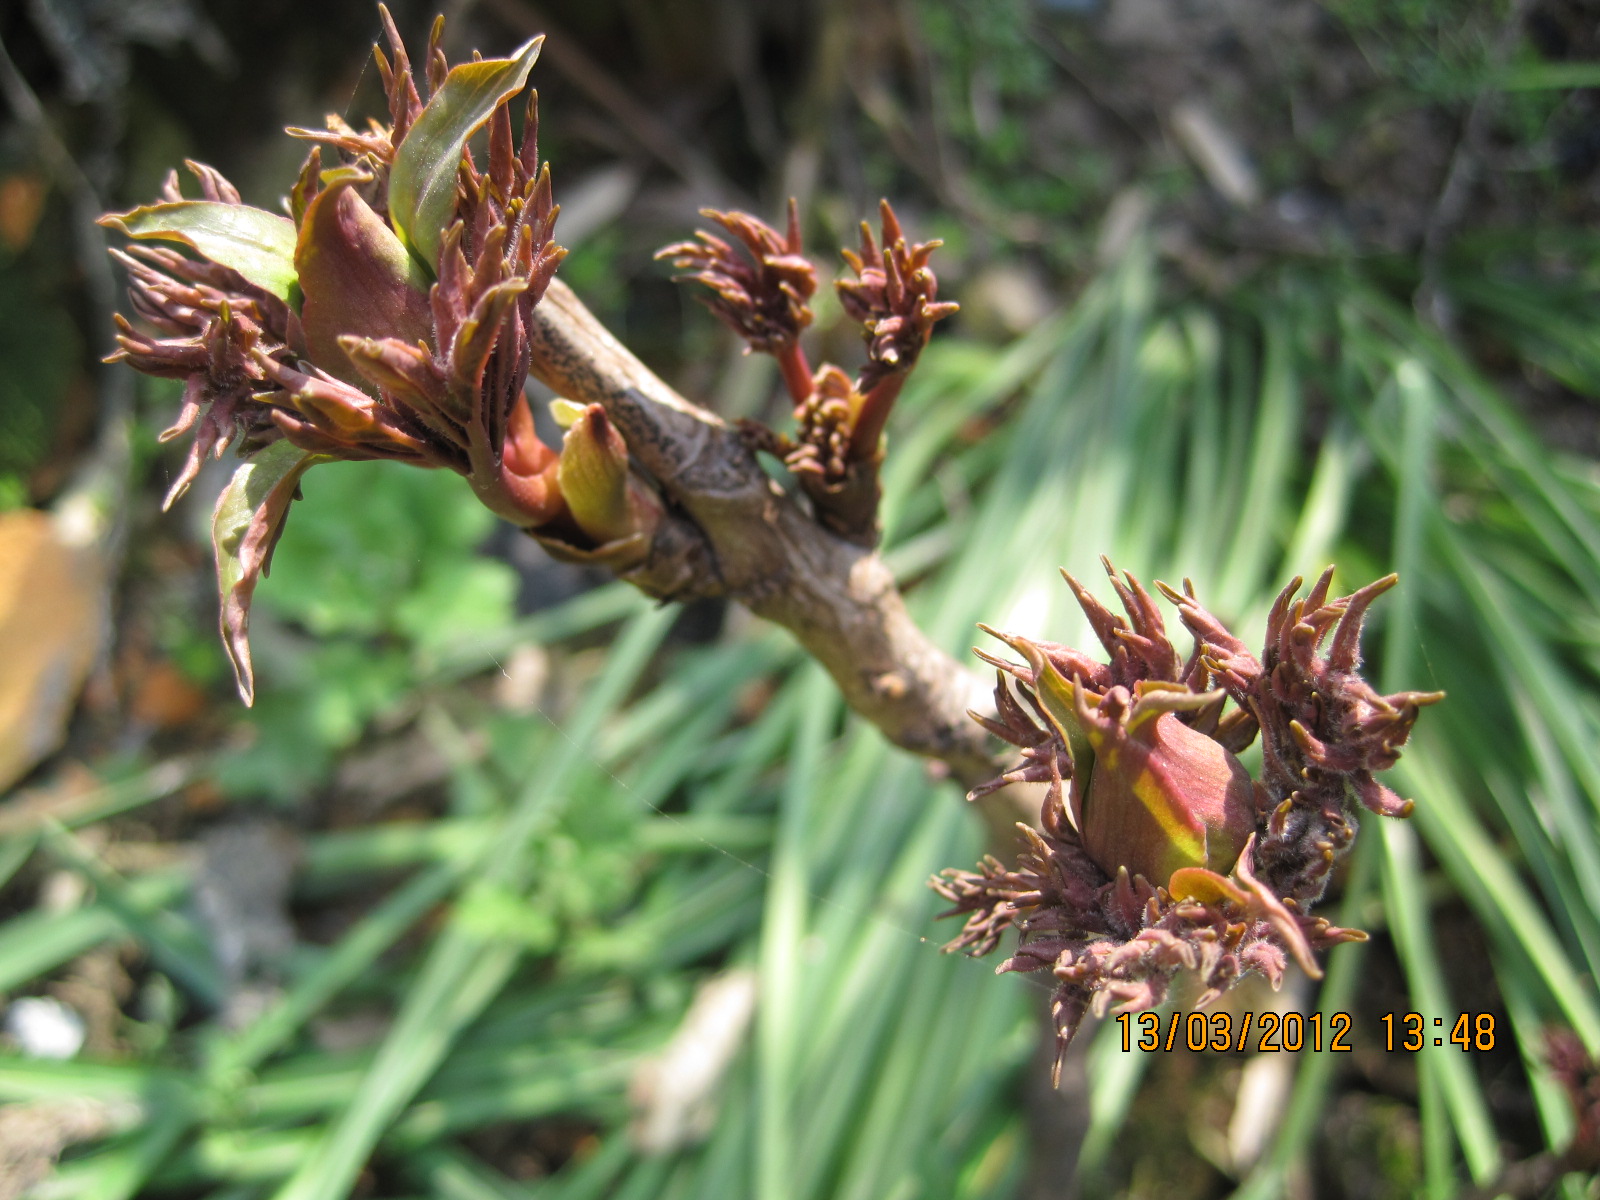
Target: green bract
point(422, 183)
point(257, 244)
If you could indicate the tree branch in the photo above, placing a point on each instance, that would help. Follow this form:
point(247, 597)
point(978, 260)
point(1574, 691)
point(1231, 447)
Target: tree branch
point(837, 598)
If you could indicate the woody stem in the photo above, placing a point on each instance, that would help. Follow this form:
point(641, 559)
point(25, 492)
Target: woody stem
point(837, 597)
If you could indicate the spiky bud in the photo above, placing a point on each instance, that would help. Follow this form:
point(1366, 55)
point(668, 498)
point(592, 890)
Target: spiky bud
point(387, 316)
point(1156, 852)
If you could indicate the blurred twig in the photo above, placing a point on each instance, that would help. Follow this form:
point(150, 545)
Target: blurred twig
point(920, 143)
point(653, 135)
point(87, 205)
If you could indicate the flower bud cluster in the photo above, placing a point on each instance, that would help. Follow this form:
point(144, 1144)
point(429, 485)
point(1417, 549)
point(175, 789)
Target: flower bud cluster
point(389, 341)
point(763, 294)
point(1325, 730)
point(388, 316)
point(1157, 852)
point(895, 297)
point(210, 323)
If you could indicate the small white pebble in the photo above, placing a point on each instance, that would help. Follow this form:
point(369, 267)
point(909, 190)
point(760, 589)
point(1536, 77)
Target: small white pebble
point(44, 1028)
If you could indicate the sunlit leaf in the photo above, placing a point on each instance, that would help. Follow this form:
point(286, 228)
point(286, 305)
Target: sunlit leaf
point(257, 244)
point(422, 183)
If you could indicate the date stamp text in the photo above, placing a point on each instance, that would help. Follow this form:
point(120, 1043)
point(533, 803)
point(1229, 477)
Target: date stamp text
point(1292, 1032)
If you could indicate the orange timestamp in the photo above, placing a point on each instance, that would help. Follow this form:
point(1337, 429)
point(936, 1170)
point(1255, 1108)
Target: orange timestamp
point(1273, 1031)
point(1412, 1031)
point(1292, 1032)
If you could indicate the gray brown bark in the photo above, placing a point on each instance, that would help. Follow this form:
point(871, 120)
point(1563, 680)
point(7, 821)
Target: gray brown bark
point(734, 532)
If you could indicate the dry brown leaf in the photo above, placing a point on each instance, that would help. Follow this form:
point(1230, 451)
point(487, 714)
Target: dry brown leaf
point(52, 617)
point(22, 198)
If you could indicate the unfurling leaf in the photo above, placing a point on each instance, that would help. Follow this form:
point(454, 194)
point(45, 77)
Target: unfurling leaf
point(422, 183)
point(257, 244)
point(593, 476)
point(245, 527)
point(356, 276)
point(1058, 696)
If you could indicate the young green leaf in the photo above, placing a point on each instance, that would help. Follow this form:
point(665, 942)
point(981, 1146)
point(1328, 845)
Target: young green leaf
point(257, 244)
point(593, 475)
point(422, 183)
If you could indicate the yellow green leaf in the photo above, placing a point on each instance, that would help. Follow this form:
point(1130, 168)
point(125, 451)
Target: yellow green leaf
point(257, 244)
point(593, 476)
point(422, 183)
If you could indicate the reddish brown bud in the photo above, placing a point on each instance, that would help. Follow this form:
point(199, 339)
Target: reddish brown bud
point(763, 293)
point(1157, 852)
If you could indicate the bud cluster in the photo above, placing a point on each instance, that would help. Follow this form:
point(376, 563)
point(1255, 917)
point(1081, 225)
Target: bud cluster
point(895, 297)
point(1324, 729)
point(211, 322)
point(1157, 852)
point(387, 316)
point(763, 294)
